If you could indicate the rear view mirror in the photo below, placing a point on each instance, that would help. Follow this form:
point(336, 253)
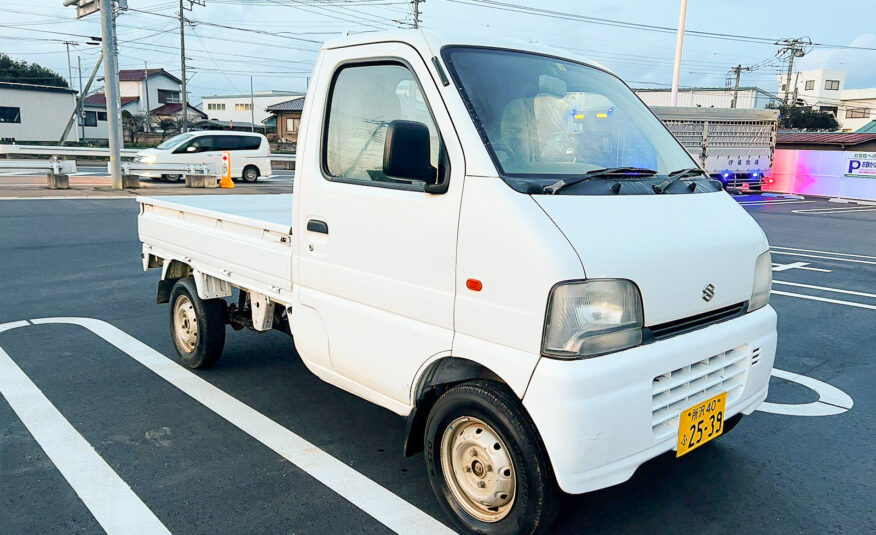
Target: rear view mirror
point(406, 152)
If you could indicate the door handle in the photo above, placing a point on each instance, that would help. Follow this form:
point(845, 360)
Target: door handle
point(315, 225)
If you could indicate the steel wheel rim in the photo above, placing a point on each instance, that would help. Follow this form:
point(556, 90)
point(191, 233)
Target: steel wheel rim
point(185, 324)
point(249, 175)
point(478, 469)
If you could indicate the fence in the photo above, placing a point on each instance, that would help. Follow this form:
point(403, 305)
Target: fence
point(821, 172)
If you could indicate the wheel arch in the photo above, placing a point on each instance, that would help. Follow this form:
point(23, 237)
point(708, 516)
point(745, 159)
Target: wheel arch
point(171, 271)
point(438, 376)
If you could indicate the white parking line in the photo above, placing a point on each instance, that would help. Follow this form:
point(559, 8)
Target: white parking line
point(824, 300)
point(822, 252)
point(758, 203)
point(112, 502)
point(826, 289)
point(808, 255)
point(386, 507)
point(828, 211)
point(831, 400)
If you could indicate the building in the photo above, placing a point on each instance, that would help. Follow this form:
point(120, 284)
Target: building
point(31, 112)
point(244, 108)
point(287, 118)
point(141, 90)
point(825, 90)
point(709, 97)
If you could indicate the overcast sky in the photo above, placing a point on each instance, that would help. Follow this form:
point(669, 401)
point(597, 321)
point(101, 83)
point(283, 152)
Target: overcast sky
point(284, 36)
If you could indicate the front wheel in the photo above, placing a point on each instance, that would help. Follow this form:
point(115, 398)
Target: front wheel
point(172, 178)
point(486, 463)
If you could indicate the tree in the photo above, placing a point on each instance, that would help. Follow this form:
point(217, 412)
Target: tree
point(133, 125)
point(169, 126)
point(805, 118)
point(23, 72)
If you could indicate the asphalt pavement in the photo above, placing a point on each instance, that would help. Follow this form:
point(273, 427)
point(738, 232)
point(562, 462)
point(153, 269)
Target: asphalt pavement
point(195, 471)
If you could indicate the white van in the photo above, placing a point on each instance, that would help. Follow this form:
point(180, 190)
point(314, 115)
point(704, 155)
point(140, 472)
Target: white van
point(249, 153)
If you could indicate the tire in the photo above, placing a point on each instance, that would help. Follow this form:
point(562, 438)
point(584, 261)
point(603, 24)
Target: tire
point(197, 327)
point(250, 174)
point(172, 178)
point(486, 418)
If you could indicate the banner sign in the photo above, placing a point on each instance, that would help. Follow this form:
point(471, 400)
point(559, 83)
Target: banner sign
point(860, 165)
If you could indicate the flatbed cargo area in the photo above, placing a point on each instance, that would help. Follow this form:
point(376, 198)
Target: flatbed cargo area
point(273, 212)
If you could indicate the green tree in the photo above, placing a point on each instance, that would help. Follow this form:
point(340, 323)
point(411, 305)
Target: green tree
point(23, 72)
point(805, 118)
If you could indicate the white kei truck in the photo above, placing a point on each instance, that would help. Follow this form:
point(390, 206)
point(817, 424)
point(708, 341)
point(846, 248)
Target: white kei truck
point(503, 245)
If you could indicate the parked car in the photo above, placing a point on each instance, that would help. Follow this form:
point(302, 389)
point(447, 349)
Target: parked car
point(503, 245)
point(249, 153)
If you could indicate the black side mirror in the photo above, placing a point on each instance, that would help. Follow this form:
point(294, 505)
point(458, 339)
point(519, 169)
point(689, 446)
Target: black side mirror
point(406, 153)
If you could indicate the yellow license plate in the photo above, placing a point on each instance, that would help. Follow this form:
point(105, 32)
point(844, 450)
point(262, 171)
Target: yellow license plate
point(701, 423)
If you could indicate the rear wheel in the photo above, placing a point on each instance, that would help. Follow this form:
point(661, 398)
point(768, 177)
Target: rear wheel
point(486, 463)
point(250, 173)
point(197, 326)
point(172, 178)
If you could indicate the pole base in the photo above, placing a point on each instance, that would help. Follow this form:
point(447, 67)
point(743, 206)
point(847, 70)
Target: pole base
point(58, 181)
point(130, 181)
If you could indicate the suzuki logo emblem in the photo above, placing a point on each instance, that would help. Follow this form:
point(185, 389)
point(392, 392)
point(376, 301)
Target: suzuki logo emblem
point(708, 292)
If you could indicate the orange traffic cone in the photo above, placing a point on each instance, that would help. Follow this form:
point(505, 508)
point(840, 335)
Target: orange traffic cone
point(226, 181)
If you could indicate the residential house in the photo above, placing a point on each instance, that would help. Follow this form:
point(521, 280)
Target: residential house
point(30, 112)
point(287, 118)
point(825, 90)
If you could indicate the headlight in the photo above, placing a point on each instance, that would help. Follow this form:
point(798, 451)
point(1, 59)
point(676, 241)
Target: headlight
point(590, 318)
point(150, 159)
point(763, 282)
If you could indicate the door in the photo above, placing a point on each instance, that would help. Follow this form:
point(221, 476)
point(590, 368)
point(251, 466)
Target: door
point(200, 149)
point(378, 255)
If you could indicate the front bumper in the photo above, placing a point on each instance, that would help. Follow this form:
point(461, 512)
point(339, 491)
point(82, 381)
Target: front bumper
point(597, 416)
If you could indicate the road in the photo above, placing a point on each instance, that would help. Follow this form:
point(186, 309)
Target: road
point(190, 470)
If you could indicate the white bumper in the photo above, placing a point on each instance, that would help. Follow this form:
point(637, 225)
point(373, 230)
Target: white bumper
point(597, 416)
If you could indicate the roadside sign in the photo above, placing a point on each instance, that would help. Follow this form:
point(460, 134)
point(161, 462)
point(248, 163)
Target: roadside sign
point(860, 165)
point(226, 181)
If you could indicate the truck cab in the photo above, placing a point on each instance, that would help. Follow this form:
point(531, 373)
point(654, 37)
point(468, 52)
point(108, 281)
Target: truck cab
point(503, 245)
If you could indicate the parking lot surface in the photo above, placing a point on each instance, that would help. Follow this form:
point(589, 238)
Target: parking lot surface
point(260, 445)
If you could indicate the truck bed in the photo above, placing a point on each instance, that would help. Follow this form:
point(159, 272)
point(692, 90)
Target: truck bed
point(242, 239)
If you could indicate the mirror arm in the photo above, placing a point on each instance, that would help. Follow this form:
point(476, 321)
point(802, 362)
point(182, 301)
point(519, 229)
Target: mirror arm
point(438, 188)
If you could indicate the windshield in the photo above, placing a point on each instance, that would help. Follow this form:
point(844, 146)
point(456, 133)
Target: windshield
point(544, 118)
point(174, 141)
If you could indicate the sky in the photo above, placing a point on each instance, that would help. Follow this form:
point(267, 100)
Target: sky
point(276, 41)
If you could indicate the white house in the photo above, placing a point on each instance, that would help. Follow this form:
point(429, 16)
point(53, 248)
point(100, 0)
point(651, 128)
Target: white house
point(239, 109)
point(35, 112)
point(155, 90)
point(825, 90)
point(709, 97)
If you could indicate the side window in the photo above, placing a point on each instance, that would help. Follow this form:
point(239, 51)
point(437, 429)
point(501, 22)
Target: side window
point(250, 142)
point(363, 100)
point(226, 142)
point(199, 144)
point(90, 118)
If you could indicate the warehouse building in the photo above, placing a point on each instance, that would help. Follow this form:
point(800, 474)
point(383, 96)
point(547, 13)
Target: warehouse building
point(31, 113)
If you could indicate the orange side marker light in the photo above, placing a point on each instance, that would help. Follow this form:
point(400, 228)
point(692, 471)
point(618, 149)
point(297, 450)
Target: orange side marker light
point(474, 285)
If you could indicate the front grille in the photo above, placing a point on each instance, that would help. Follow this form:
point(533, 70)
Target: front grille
point(679, 389)
point(684, 325)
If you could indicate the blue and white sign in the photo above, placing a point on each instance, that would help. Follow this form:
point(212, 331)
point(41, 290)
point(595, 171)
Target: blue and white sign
point(860, 164)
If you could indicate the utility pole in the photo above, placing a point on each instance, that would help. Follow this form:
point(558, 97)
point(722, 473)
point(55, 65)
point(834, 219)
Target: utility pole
point(791, 48)
point(182, 59)
point(737, 70)
point(146, 90)
point(182, 62)
point(79, 102)
point(69, 68)
point(111, 90)
point(251, 107)
point(415, 4)
point(679, 40)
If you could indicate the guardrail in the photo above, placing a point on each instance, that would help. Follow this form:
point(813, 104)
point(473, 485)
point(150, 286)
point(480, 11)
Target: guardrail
point(56, 170)
point(196, 175)
point(57, 150)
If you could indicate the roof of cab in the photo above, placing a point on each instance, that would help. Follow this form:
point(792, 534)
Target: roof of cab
point(434, 41)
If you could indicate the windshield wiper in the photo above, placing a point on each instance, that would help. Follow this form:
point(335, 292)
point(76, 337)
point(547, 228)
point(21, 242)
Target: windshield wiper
point(675, 176)
point(633, 172)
